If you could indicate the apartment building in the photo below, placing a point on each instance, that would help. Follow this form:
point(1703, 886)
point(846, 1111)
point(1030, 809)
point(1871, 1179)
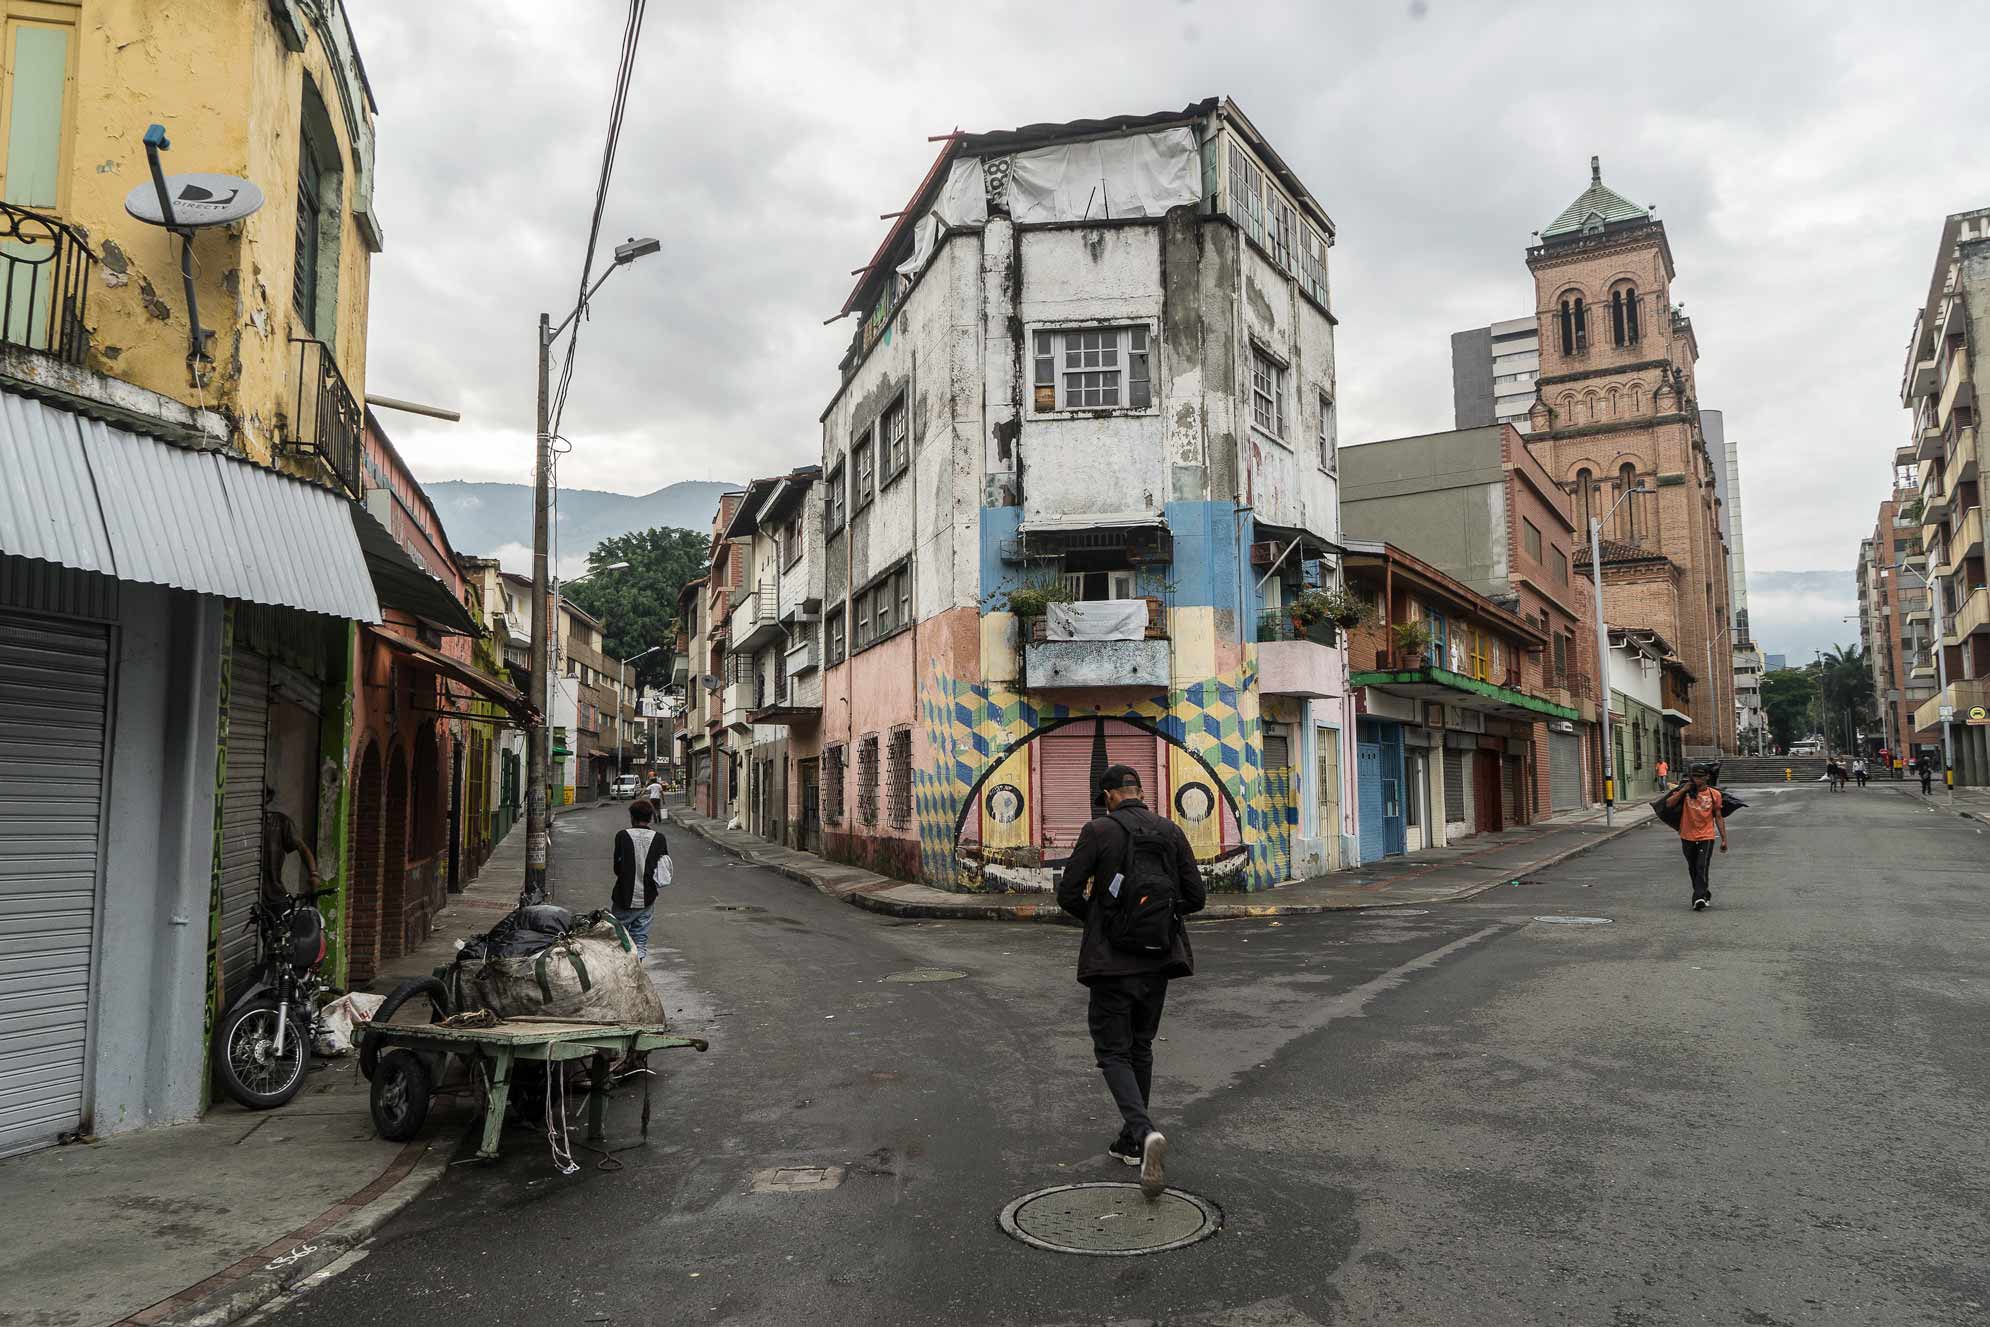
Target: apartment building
point(1616, 416)
point(774, 655)
point(1896, 625)
point(180, 601)
point(1493, 372)
point(1478, 505)
point(1085, 434)
point(1938, 389)
point(1444, 738)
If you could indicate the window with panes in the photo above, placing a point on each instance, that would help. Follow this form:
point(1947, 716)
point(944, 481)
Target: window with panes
point(1530, 538)
point(1329, 435)
point(1267, 394)
point(833, 635)
point(896, 446)
point(898, 771)
point(867, 780)
point(832, 784)
point(1092, 368)
point(860, 472)
point(835, 500)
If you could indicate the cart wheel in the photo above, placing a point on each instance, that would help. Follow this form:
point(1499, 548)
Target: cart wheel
point(401, 1093)
point(438, 1009)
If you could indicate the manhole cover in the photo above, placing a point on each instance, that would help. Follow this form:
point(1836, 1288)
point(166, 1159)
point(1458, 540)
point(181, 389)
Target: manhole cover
point(1109, 1220)
point(928, 974)
point(736, 907)
point(1576, 921)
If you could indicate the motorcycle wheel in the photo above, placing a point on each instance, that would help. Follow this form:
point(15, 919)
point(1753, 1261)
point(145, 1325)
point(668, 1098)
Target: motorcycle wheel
point(438, 1009)
point(401, 1092)
point(246, 1060)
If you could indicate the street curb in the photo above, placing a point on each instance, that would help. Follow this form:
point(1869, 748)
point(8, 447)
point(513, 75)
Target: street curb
point(281, 1266)
point(1929, 802)
point(1050, 912)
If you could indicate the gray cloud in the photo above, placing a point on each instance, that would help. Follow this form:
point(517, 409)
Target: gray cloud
point(1802, 168)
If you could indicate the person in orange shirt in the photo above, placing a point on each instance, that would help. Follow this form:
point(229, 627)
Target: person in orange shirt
point(1701, 823)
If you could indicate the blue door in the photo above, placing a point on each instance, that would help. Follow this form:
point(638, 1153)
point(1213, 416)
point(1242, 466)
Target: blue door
point(1395, 837)
point(1368, 787)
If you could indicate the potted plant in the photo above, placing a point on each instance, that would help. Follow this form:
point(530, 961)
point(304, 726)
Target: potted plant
point(1412, 642)
point(1344, 608)
point(1034, 600)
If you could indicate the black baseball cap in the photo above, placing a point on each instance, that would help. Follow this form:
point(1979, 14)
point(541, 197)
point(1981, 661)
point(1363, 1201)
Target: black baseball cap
point(1119, 777)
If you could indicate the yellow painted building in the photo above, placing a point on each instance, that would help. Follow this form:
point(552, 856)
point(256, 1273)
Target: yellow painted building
point(269, 90)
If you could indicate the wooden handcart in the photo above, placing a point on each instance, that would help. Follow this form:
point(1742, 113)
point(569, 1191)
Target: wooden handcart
point(409, 1062)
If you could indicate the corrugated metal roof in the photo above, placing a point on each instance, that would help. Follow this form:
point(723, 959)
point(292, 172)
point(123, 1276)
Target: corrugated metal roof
point(81, 493)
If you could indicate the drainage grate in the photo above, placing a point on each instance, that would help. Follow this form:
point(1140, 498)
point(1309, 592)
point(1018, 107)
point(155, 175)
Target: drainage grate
point(1109, 1220)
point(1576, 921)
point(927, 974)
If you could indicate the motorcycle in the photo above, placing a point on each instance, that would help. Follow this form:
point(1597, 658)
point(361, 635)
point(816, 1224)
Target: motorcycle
point(262, 1043)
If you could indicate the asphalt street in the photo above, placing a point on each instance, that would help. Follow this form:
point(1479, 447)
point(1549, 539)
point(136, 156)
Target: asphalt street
point(1769, 1113)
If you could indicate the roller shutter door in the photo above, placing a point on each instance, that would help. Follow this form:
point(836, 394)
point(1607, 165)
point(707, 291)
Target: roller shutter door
point(1063, 781)
point(242, 817)
point(1457, 811)
point(1564, 771)
point(54, 720)
point(1513, 809)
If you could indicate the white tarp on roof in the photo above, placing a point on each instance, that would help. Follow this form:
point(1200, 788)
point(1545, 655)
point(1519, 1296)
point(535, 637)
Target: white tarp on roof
point(84, 494)
point(961, 204)
point(1142, 175)
point(1097, 619)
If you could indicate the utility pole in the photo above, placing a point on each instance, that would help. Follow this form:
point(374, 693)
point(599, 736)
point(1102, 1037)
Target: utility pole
point(538, 743)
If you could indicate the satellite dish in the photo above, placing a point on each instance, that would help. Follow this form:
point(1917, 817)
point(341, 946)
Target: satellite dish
point(198, 200)
point(712, 681)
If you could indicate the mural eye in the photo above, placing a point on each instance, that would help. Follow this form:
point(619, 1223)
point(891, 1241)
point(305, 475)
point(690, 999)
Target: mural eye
point(1194, 802)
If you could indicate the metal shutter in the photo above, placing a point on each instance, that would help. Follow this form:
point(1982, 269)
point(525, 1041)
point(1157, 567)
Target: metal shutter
point(1063, 779)
point(1564, 771)
point(1456, 810)
point(1140, 750)
point(1277, 750)
point(1368, 789)
point(242, 816)
point(1511, 807)
point(54, 709)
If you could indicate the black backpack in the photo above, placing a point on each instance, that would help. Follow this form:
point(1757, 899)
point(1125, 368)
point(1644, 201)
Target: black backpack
point(1141, 920)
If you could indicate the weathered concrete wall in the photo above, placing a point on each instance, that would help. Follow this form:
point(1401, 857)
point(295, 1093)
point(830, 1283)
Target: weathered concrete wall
point(232, 99)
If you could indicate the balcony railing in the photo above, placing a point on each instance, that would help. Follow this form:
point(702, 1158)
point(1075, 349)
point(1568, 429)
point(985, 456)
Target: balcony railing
point(325, 419)
point(1277, 624)
point(1157, 622)
point(45, 269)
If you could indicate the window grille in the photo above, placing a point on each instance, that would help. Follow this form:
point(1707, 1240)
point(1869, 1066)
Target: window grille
point(899, 804)
point(867, 780)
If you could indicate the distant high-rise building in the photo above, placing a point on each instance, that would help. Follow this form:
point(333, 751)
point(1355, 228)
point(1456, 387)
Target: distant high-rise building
point(1775, 663)
point(1493, 370)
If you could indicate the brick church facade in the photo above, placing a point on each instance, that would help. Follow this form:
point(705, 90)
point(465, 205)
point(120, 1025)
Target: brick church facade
point(1616, 409)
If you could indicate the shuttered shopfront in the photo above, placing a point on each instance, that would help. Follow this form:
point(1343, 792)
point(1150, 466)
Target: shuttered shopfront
point(242, 816)
point(54, 735)
point(1564, 771)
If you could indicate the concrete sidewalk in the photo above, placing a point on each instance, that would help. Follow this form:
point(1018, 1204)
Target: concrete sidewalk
point(1435, 875)
point(203, 1222)
point(1970, 803)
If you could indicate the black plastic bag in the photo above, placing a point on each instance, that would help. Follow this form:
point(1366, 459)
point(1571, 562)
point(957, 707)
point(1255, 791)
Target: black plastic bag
point(520, 933)
point(1669, 814)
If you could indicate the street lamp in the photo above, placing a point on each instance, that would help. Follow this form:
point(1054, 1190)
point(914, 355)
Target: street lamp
point(1713, 680)
point(538, 746)
point(620, 749)
point(1603, 647)
point(1943, 704)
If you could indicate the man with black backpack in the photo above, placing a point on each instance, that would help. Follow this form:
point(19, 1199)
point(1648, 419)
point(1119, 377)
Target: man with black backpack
point(1143, 880)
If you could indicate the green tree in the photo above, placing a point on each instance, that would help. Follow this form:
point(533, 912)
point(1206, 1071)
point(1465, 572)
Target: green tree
point(1846, 682)
point(638, 606)
point(1788, 695)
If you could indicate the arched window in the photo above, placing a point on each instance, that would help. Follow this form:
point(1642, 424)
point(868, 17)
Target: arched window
point(1630, 315)
point(1589, 405)
point(1568, 328)
point(1568, 409)
point(1631, 525)
point(1613, 402)
point(1581, 326)
point(1637, 398)
point(1585, 505)
point(1616, 317)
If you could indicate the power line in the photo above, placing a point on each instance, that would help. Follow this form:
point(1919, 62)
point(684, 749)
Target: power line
point(631, 36)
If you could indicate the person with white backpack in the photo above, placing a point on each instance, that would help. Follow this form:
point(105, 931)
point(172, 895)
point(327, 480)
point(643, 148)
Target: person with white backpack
point(640, 854)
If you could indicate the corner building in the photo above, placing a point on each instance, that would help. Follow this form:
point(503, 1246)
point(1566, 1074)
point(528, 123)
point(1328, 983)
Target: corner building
point(1615, 407)
point(1082, 453)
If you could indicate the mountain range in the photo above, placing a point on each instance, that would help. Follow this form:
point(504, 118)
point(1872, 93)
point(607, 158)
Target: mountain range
point(495, 520)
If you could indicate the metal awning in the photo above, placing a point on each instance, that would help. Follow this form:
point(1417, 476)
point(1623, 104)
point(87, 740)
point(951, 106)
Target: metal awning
point(1467, 693)
point(484, 685)
point(403, 583)
point(87, 495)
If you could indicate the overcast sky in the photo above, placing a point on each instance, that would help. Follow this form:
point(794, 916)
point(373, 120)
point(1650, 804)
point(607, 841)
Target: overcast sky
point(1801, 164)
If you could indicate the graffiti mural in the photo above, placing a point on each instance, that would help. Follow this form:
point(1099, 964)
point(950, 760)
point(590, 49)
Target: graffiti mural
point(981, 736)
